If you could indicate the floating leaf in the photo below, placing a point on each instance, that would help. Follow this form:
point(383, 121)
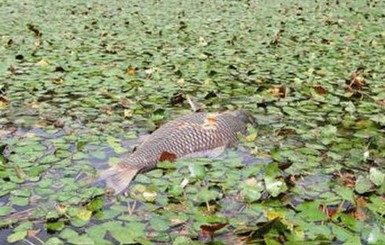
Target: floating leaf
point(55, 226)
point(67, 233)
point(84, 214)
point(273, 185)
point(16, 236)
point(206, 195)
point(54, 241)
point(182, 240)
point(251, 190)
point(376, 176)
point(159, 224)
point(5, 210)
point(197, 171)
point(363, 185)
point(95, 204)
point(82, 239)
point(115, 144)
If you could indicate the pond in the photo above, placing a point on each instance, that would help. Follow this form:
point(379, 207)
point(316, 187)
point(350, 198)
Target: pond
point(81, 82)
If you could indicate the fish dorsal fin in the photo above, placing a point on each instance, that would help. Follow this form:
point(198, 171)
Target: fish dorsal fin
point(167, 156)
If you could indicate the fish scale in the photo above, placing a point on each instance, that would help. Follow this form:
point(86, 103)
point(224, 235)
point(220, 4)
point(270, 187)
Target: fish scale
point(188, 135)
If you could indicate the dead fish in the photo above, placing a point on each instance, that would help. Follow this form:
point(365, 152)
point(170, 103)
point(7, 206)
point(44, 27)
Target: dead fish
point(196, 134)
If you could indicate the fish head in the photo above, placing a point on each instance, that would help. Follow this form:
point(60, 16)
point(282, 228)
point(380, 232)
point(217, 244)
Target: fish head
point(244, 115)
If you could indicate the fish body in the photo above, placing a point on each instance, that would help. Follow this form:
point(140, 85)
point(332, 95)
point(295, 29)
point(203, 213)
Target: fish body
point(196, 134)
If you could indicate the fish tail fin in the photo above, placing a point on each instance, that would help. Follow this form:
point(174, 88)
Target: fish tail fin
point(118, 178)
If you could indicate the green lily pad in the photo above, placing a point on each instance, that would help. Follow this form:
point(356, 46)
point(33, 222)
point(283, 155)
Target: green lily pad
point(67, 233)
point(206, 195)
point(159, 224)
point(127, 234)
point(54, 241)
point(5, 210)
point(182, 240)
point(82, 239)
point(55, 226)
point(16, 236)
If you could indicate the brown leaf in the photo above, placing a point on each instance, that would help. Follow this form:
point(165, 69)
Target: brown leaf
point(131, 70)
point(108, 110)
point(59, 124)
point(124, 102)
point(33, 233)
point(380, 102)
point(278, 91)
point(177, 98)
point(211, 228)
point(286, 132)
point(167, 156)
point(356, 82)
point(347, 178)
point(182, 25)
point(361, 202)
point(320, 90)
point(59, 69)
point(34, 29)
point(359, 214)
point(3, 101)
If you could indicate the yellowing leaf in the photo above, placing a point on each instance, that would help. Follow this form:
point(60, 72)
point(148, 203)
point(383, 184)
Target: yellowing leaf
point(42, 63)
point(128, 113)
point(251, 137)
point(202, 41)
point(58, 81)
point(84, 214)
point(271, 214)
point(180, 81)
point(3, 102)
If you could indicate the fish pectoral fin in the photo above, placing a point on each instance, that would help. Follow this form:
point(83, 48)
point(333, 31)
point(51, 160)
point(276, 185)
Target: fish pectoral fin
point(213, 153)
point(118, 178)
point(167, 156)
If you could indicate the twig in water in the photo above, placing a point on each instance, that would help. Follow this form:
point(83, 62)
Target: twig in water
point(194, 106)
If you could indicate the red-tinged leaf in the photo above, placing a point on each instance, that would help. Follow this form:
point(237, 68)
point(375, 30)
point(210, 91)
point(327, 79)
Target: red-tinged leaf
point(167, 156)
point(330, 211)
